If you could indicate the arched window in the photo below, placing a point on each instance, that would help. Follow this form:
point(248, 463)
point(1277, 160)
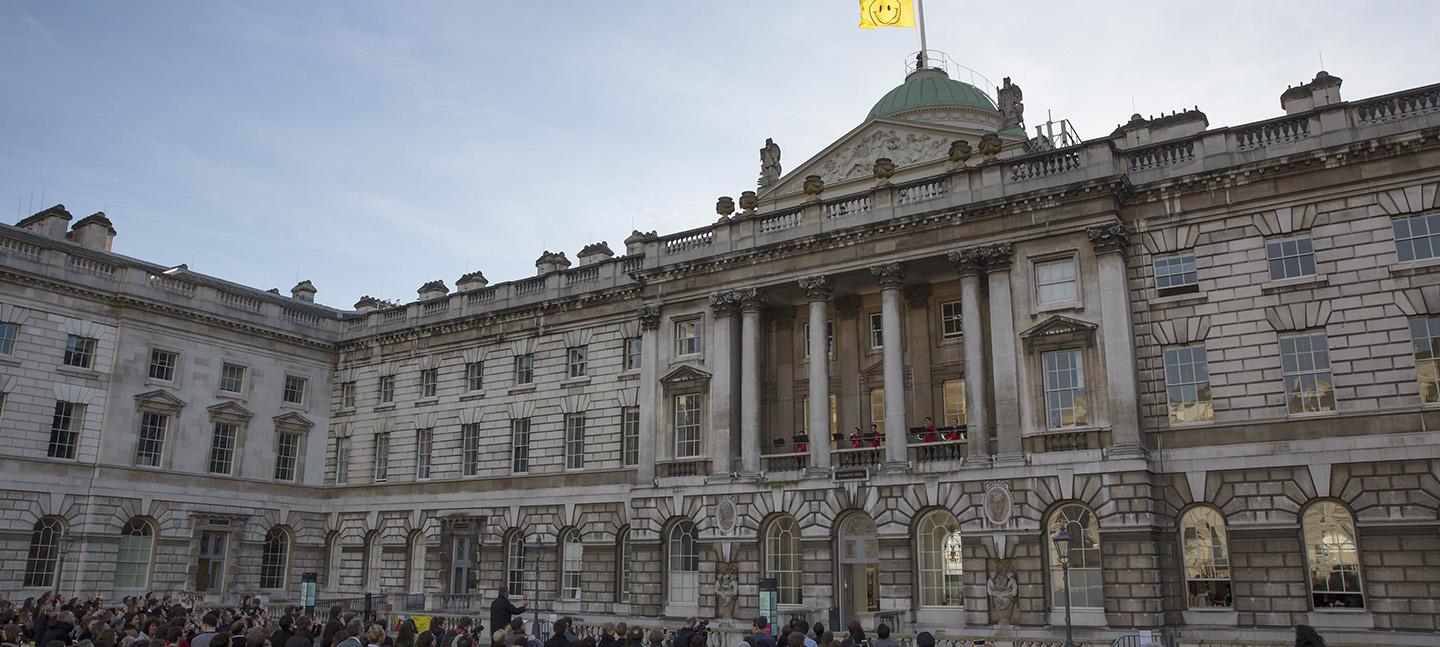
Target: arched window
point(622, 563)
point(44, 557)
point(684, 560)
point(415, 565)
point(1207, 558)
point(782, 558)
point(1085, 577)
point(370, 573)
point(941, 562)
point(515, 564)
point(132, 563)
point(274, 557)
point(1332, 556)
point(572, 564)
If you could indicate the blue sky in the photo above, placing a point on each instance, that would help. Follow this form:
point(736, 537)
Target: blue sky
point(372, 146)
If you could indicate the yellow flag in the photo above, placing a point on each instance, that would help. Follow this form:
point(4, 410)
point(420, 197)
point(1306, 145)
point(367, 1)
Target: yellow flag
point(887, 13)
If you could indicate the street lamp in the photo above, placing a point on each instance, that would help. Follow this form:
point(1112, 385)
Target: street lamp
point(1062, 552)
point(67, 541)
point(536, 546)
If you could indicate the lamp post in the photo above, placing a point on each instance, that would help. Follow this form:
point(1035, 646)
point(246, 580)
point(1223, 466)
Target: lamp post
point(1062, 552)
point(67, 541)
point(536, 546)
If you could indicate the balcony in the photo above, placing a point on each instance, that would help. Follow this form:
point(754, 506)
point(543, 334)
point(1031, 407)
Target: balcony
point(1067, 440)
point(859, 456)
point(939, 450)
point(792, 462)
point(683, 467)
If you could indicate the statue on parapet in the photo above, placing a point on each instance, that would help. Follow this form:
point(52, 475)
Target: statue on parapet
point(1012, 105)
point(769, 164)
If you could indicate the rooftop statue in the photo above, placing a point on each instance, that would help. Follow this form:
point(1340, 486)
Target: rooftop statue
point(769, 164)
point(1012, 105)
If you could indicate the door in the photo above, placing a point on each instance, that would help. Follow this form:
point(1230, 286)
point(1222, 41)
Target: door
point(857, 566)
point(460, 565)
point(210, 565)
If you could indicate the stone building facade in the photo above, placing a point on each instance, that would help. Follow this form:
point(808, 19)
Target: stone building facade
point(1208, 354)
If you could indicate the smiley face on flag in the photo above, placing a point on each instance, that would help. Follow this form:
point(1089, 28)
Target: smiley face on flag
point(887, 13)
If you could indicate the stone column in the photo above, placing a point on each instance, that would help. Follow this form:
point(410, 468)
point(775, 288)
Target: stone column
point(997, 259)
point(750, 308)
point(851, 342)
point(968, 263)
point(891, 277)
point(817, 291)
point(917, 348)
point(1117, 334)
point(649, 383)
point(723, 305)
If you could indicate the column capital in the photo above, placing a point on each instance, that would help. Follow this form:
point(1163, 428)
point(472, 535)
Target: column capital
point(1110, 237)
point(890, 276)
point(750, 299)
point(817, 287)
point(968, 261)
point(918, 295)
point(724, 303)
point(996, 256)
point(847, 306)
point(649, 317)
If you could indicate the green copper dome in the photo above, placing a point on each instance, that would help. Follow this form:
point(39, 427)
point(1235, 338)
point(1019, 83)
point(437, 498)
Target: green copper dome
point(930, 89)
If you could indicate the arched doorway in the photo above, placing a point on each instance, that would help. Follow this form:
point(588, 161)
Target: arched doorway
point(857, 566)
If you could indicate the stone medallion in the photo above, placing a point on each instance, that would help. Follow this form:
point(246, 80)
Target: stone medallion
point(999, 505)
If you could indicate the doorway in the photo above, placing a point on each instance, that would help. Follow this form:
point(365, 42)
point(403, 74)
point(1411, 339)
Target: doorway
point(857, 567)
point(210, 564)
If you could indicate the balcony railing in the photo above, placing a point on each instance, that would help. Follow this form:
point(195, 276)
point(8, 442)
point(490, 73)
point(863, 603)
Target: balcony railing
point(684, 467)
point(859, 456)
point(792, 462)
point(940, 450)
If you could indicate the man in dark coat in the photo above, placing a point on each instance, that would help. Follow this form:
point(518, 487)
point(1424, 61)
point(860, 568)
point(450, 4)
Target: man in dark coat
point(501, 610)
point(303, 636)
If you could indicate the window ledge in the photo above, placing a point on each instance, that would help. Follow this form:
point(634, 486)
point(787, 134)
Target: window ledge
point(155, 381)
point(1074, 306)
point(1313, 414)
point(384, 407)
point(1188, 298)
point(523, 388)
point(1299, 282)
point(1068, 430)
point(230, 395)
point(472, 395)
point(1200, 424)
point(576, 381)
point(1079, 617)
point(1406, 268)
point(427, 401)
point(6, 360)
point(632, 374)
point(87, 373)
point(294, 406)
point(1211, 617)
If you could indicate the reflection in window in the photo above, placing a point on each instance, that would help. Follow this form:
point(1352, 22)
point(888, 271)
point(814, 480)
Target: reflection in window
point(1332, 557)
point(1207, 558)
point(941, 560)
point(1085, 578)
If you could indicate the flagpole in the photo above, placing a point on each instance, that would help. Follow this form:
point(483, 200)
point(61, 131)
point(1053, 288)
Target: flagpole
point(920, 24)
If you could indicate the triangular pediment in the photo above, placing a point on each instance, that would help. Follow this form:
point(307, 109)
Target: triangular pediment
point(159, 398)
point(229, 410)
point(292, 420)
point(853, 156)
point(1058, 325)
point(685, 373)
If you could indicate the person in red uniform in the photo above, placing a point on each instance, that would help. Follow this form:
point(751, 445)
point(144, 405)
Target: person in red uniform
point(855, 441)
point(929, 436)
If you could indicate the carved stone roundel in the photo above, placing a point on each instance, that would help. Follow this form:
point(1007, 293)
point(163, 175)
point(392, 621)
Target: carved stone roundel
point(999, 505)
point(725, 516)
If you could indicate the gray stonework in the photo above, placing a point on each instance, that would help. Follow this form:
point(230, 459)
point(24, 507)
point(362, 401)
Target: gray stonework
point(1340, 173)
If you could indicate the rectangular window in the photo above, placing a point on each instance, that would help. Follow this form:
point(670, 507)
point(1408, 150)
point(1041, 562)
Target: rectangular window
point(429, 379)
point(222, 447)
point(387, 389)
point(382, 456)
point(575, 441)
point(1425, 334)
point(520, 445)
point(829, 339)
point(1417, 237)
point(877, 410)
point(630, 436)
point(232, 378)
point(342, 461)
point(347, 395)
point(950, 322)
point(877, 330)
point(1187, 385)
point(632, 354)
point(470, 449)
point(687, 425)
point(1305, 362)
point(9, 332)
point(422, 453)
point(79, 351)
point(687, 337)
point(524, 368)
point(162, 364)
point(152, 438)
point(287, 454)
point(475, 376)
point(65, 428)
point(1055, 282)
point(1065, 404)
point(954, 393)
point(295, 389)
point(1176, 274)
point(1290, 258)
point(577, 360)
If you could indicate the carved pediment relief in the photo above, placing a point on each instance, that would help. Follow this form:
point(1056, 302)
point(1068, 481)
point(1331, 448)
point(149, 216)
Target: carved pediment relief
point(1059, 329)
point(685, 376)
point(904, 148)
point(159, 399)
